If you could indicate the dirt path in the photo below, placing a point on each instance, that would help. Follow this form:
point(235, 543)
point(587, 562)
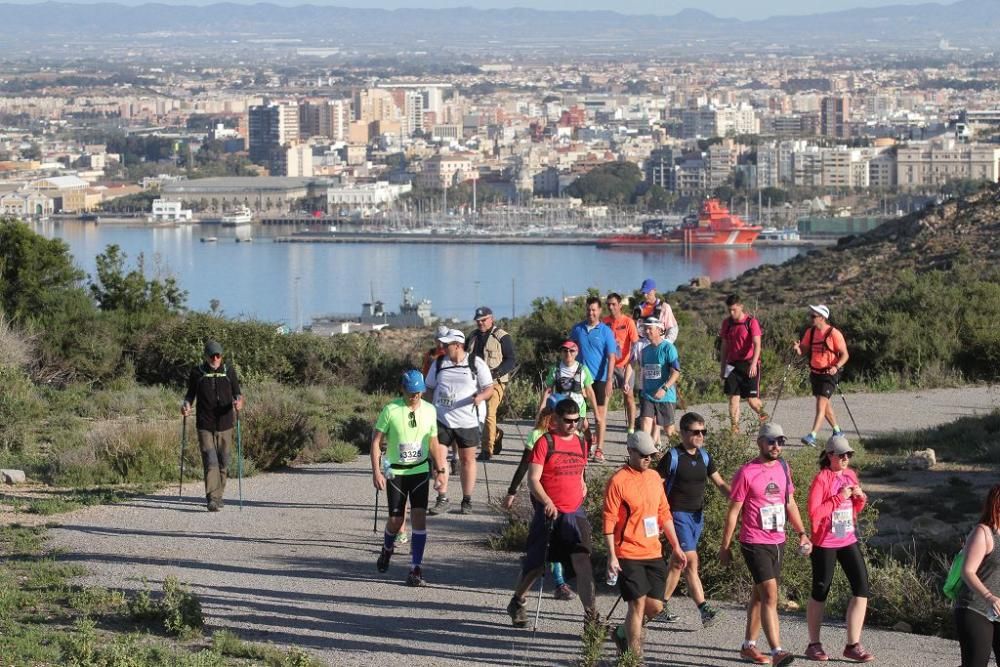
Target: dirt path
point(297, 566)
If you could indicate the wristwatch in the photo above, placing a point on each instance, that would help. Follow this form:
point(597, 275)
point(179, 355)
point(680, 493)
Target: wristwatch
point(439, 471)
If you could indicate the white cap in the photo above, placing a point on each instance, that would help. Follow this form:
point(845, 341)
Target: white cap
point(453, 336)
point(820, 309)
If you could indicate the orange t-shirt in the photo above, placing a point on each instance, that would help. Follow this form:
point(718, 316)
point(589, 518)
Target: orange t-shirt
point(626, 335)
point(827, 344)
point(635, 510)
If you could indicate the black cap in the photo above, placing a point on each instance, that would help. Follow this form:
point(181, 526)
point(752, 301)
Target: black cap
point(481, 312)
point(212, 347)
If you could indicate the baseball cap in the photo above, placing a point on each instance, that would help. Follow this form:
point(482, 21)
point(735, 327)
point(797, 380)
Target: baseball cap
point(413, 381)
point(820, 309)
point(652, 322)
point(641, 442)
point(481, 312)
point(647, 285)
point(771, 431)
point(838, 444)
point(442, 330)
point(569, 345)
point(453, 336)
point(212, 347)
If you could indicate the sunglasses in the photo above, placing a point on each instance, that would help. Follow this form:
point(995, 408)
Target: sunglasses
point(779, 442)
point(813, 316)
point(845, 455)
point(571, 420)
point(697, 431)
point(643, 457)
point(567, 350)
point(413, 419)
point(215, 356)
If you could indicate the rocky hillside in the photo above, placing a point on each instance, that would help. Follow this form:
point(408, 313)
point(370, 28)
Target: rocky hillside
point(859, 267)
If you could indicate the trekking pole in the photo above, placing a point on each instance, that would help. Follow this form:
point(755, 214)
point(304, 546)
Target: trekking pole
point(849, 413)
point(375, 526)
point(541, 579)
point(486, 472)
point(781, 386)
point(184, 433)
point(239, 457)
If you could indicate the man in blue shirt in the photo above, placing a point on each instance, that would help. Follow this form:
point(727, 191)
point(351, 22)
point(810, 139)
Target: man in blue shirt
point(598, 351)
point(661, 368)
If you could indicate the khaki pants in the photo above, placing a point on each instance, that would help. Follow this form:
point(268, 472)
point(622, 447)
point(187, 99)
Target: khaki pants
point(490, 425)
point(216, 447)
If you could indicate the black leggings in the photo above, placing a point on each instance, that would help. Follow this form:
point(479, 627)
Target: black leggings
point(825, 560)
point(976, 636)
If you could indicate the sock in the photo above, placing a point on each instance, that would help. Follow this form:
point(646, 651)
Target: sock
point(749, 643)
point(835, 428)
point(443, 496)
point(848, 646)
point(776, 650)
point(557, 574)
point(812, 433)
point(389, 541)
point(417, 544)
point(703, 604)
point(631, 431)
point(466, 499)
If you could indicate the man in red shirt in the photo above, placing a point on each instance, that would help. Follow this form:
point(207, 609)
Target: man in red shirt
point(626, 335)
point(559, 530)
point(740, 356)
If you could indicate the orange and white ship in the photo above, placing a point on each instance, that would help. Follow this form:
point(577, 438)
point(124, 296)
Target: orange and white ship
point(713, 226)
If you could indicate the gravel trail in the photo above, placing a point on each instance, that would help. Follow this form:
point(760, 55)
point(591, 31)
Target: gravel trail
point(297, 565)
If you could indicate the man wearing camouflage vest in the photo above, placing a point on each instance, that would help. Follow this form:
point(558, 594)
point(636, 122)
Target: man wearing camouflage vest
point(494, 346)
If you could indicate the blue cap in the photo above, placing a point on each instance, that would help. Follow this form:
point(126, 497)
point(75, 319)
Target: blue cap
point(553, 400)
point(413, 381)
point(647, 285)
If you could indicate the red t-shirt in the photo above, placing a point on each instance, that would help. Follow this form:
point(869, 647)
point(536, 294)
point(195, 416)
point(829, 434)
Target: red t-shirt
point(738, 338)
point(562, 473)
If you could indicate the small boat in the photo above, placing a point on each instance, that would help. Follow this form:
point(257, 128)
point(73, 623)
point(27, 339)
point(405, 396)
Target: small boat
point(241, 216)
point(713, 226)
point(209, 239)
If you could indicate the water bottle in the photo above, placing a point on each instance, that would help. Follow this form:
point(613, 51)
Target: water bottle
point(387, 468)
point(612, 578)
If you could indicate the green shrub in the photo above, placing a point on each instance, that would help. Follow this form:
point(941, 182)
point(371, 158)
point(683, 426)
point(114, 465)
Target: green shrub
point(177, 612)
point(338, 452)
point(275, 429)
point(513, 535)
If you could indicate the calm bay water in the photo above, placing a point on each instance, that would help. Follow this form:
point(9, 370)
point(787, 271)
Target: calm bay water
point(288, 282)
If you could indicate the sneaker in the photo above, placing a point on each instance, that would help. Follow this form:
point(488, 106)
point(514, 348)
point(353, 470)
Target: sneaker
point(440, 506)
point(213, 506)
point(620, 639)
point(383, 560)
point(837, 432)
point(809, 439)
point(815, 652)
point(416, 577)
point(709, 615)
point(484, 456)
point(564, 592)
point(466, 507)
point(498, 443)
point(781, 658)
point(518, 611)
point(402, 537)
point(666, 616)
point(599, 455)
point(858, 653)
point(751, 654)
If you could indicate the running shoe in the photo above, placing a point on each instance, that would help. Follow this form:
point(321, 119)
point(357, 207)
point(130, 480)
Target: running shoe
point(498, 443)
point(665, 616)
point(815, 652)
point(599, 455)
point(781, 658)
point(440, 506)
point(709, 615)
point(564, 592)
point(402, 537)
point(466, 507)
point(809, 439)
point(751, 654)
point(620, 639)
point(858, 653)
point(383, 560)
point(213, 506)
point(484, 456)
point(518, 611)
point(416, 577)
point(837, 432)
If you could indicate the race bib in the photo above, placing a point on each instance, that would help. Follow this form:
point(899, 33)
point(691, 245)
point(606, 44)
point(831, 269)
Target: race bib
point(652, 372)
point(843, 522)
point(772, 517)
point(410, 452)
point(649, 523)
point(444, 400)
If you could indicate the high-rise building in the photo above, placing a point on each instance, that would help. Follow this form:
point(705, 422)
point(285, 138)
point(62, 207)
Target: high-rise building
point(334, 119)
point(835, 117)
point(271, 126)
point(413, 113)
point(374, 104)
point(660, 168)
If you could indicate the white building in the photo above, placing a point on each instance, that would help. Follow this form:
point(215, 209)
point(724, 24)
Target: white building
point(169, 211)
point(937, 162)
point(365, 198)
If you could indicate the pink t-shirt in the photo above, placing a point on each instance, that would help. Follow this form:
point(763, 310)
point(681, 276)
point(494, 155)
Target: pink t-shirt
point(761, 489)
point(739, 337)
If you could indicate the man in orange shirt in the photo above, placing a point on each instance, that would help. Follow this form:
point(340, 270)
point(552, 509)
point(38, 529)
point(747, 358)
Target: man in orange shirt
point(635, 511)
point(827, 356)
point(626, 335)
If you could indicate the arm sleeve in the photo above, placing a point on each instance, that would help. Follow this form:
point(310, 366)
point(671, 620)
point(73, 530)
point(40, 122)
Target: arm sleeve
point(859, 503)
point(192, 389)
point(522, 470)
point(612, 503)
point(484, 378)
point(234, 382)
point(820, 506)
point(509, 357)
point(663, 508)
point(431, 380)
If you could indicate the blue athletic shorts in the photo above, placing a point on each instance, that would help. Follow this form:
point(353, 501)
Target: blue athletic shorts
point(688, 526)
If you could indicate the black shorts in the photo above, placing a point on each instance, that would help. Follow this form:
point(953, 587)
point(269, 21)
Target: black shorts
point(763, 560)
point(661, 413)
point(403, 487)
point(640, 578)
point(824, 384)
point(570, 535)
point(739, 382)
point(624, 379)
point(600, 395)
point(463, 437)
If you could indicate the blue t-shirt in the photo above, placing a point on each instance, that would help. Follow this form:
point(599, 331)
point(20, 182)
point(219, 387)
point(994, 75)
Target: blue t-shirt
point(658, 361)
point(595, 346)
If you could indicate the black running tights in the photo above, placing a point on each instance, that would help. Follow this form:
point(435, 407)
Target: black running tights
point(825, 560)
point(977, 636)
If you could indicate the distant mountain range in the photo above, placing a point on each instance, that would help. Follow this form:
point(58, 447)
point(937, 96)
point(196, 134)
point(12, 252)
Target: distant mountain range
point(966, 23)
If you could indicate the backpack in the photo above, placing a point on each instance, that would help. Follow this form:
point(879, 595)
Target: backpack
point(550, 441)
point(559, 383)
point(824, 343)
point(470, 363)
point(675, 458)
point(729, 324)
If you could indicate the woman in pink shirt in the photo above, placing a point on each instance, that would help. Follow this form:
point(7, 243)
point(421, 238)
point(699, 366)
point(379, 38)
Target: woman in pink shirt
point(835, 499)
